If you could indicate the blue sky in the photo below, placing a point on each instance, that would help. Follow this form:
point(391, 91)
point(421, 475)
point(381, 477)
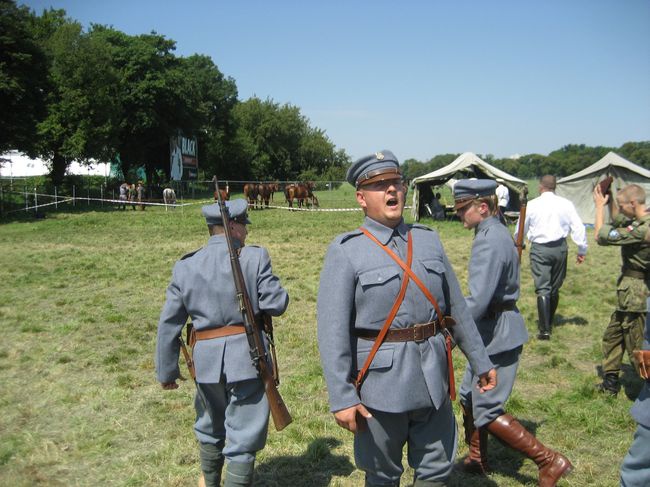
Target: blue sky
point(421, 77)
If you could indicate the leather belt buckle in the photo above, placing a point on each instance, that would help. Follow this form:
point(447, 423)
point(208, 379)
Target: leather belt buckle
point(418, 333)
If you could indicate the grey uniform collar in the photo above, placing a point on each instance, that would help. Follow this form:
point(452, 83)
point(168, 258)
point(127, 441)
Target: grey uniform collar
point(221, 239)
point(384, 233)
point(487, 223)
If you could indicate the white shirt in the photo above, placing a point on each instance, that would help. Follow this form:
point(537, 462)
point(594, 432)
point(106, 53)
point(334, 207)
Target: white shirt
point(503, 195)
point(550, 217)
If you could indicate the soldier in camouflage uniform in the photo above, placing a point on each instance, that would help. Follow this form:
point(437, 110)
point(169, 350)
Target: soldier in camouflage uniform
point(630, 229)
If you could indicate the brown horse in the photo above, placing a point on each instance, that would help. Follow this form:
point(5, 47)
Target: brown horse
point(264, 190)
point(251, 192)
point(225, 194)
point(300, 192)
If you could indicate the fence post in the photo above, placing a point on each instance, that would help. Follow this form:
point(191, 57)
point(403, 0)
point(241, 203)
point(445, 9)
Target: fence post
point(56, 198)
point(35, 201)
point(26, 198)
point(74, 195)
point(1, 201)
point(101, 193)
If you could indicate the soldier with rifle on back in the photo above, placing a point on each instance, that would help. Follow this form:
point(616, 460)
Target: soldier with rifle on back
point(225, 288)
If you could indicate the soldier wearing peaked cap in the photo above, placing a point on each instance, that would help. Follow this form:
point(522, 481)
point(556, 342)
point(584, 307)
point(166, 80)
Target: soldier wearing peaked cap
point(494, 290)
point(232, 411)
point(385, 305)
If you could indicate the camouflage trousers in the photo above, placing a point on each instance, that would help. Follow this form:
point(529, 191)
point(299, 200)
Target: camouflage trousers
point(624, 332)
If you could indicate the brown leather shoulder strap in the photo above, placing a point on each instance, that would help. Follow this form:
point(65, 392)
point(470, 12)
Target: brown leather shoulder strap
point(407, 270)
point(391, 316)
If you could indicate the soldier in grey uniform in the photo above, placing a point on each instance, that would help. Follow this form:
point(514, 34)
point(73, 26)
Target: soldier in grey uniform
point(405, 396)
point(494, 290)
point(635, 471)
point(549, 220)
point(630, 230)
point(232, 411)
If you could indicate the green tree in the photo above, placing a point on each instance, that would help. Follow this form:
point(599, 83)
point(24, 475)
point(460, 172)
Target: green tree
point(23, 78)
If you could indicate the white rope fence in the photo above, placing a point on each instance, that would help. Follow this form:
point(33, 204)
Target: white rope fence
point(119, 202)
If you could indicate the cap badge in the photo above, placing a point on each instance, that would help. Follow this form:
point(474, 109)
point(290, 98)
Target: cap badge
point(379, 156)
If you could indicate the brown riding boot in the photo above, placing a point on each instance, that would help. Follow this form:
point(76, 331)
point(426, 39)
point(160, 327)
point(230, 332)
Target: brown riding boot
point(552, 465)
point(476, 439)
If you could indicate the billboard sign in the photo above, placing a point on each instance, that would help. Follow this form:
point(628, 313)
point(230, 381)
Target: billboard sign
point(183, 157)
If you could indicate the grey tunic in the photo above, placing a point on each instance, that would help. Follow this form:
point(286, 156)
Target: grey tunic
point(358, 286)
point(202, 287)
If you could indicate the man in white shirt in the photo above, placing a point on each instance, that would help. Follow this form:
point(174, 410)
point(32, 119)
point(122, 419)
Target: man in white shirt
point(502, 195)
point(549, 220)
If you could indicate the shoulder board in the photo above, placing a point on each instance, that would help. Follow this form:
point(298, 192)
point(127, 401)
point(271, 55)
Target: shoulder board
point(351, 234)
point(187, 256)
point(419, 226)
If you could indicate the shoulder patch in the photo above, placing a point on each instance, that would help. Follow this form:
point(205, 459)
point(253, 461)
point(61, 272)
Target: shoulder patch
point(187, 256)
point(347, 236)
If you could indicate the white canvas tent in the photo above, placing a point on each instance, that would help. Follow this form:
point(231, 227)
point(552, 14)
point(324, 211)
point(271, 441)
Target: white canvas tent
point(467, 165)
point(579, 187)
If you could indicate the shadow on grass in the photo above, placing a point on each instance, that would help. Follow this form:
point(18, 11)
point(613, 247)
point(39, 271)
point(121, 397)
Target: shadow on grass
point(314, 468)
point(561, 320)
point(502, 460)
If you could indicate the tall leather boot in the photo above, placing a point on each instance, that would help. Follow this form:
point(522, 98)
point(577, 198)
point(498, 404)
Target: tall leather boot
point(555, 299)
point(551, 464)
point(476, 439)
point(544, 315)
point(211, 465)
point(610, 384)
point(239, 474)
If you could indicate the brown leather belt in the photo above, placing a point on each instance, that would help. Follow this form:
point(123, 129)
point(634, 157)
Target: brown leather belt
point(634, 274)
point(209, 334)
point(415, 333)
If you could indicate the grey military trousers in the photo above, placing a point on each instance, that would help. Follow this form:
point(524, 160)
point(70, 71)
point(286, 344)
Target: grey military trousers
point(235, 418)
point(488, 406)
point(430, 436)
point(548, 265)
point(635, 471)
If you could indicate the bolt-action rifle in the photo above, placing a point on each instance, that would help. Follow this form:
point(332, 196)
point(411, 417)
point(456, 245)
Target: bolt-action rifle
point(522, 222)
point(259, 356)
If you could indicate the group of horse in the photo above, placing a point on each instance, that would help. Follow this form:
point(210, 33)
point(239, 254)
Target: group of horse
point(260, 195)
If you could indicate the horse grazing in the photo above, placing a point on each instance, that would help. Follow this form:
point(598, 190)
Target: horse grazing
point(274, 187)
point(251, 192)
point(169, 196)
point(225, 194)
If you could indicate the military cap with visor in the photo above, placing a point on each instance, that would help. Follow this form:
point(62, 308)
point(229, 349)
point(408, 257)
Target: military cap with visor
point(467, 190)
point(237, 212)
point(380, 166)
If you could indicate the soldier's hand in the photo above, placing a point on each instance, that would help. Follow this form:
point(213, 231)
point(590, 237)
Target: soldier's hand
point(580, 258)
point(353, 418)
point(487, 381)
point(169, 385)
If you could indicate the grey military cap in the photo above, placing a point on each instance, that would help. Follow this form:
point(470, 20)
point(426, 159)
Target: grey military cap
point(467, 190)
point(375, 167)
point(236, 212)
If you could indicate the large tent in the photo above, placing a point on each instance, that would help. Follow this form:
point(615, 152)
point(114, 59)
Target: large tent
point(578, 187)
point(467, 165)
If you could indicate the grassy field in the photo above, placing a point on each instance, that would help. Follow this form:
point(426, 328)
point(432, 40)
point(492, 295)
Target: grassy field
point(80, 296)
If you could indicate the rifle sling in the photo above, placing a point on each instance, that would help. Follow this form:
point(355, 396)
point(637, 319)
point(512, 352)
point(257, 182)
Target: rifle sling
point(440, 318)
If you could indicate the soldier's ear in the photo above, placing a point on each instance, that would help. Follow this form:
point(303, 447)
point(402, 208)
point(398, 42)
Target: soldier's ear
point(361, 199)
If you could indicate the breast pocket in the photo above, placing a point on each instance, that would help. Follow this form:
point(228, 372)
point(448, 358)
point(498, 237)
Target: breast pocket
point(378, 277)
point(435, 272)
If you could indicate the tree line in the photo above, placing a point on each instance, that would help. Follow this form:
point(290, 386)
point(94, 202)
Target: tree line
point(562, 162)
point(100, 94)
point(74, 94)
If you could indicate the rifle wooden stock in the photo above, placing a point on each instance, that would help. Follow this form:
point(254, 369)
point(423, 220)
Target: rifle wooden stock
point(522, 222)
point(279, 411)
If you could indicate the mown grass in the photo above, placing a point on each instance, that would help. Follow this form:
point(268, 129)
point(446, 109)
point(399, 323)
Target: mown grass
point(80, 296)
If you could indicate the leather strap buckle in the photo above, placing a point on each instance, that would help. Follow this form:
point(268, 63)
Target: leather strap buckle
point(418, 332)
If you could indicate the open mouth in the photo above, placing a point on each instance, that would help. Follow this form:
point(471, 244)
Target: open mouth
point(392, 202)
